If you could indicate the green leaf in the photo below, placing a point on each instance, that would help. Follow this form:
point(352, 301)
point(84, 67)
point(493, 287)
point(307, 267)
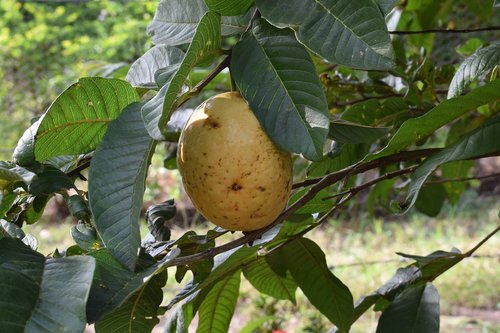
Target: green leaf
point(175, 22)
point(342, 156)
point(266, 281)
point(139, 312)
point(143, 70)
point(207, 40)
point(10, 173)
point(7, 200)
point(482, 8)
point(386, 5)
point(85, 237)
point(276, 75)
point(318, 204)
point(431, 199)
point(325, 291)
point(229, 7)
point(49, 180)
point(116, 183)
point(480, 142)
point(416, 129)
point(376, 112)
point(225, 265)
point(415, 310)
point(478, 63)
point(24, 153)
point(453, 170)
point(351, 33)
point(11, 230)
point(217, 308)
point(76, 121)
point(31, 287)
point(347, 132)
point(114, 283)
point(435, 263)
point(255, 324)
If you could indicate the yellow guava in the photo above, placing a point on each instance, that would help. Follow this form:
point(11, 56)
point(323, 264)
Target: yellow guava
point(234, 174)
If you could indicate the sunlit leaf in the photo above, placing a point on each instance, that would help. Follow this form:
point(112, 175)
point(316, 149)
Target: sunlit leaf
point(76, 121)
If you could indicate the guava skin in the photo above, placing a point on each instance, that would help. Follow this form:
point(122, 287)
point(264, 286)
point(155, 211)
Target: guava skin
point(234, 174)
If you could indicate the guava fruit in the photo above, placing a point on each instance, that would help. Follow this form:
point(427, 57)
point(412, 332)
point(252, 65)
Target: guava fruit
point(235, 175)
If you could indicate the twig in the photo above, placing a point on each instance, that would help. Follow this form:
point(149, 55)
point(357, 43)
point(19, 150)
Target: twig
point(203, 83)
point(361, 187)
point(381, 162)
point(464, 179)
point(319, 184)
point(446, 31)
point(364, 99)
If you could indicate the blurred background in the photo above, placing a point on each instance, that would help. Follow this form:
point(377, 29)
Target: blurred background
point(47, 45)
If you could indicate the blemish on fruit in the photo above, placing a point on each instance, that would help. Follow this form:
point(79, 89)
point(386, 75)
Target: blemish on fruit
point(211, 123)
point(236, 187)
point(261, 188)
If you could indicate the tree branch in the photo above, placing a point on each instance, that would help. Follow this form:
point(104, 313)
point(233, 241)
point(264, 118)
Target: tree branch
point(445, 31)
point(319, 184)
point(464, 179)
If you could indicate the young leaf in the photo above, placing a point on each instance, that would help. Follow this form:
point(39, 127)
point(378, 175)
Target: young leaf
point(77, 119)
point(480, 142)
point(35, 284)
point(415, 310)
point(116, 184)
point(266, 281)
point(351, 33)
point(157, 111)
point(275, 74)
point(325, 291)
point(139, 312)
point(229, 7)
point(218, 305)
point(478, 63)
point(175, 22)
point(142, 72)
point(416, 129)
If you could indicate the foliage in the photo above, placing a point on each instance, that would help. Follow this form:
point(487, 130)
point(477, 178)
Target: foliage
point(46, 46)
point(379, 105)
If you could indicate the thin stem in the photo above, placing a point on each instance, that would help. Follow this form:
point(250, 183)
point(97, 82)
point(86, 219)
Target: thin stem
point(464, 179)
point(445, 31)
point(361, 187)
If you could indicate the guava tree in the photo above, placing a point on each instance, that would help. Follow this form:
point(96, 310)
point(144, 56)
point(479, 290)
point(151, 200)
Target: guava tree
point(369, 96)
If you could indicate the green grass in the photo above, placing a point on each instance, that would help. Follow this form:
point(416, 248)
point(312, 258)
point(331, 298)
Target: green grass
point(362, 254)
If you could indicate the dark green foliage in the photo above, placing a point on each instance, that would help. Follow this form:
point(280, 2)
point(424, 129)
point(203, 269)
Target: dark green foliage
point(375, 122)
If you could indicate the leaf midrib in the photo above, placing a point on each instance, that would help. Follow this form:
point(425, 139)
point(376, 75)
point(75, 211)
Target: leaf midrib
point(309, 130)
point(73, 123)
point(346, 27)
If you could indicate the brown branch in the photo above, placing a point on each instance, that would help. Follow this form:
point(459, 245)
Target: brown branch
point(464, 179)
point(364, 99)
point(319, 184)
point(361, 187)
point(203, 83)
point(380, 162)
point(446, 31)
